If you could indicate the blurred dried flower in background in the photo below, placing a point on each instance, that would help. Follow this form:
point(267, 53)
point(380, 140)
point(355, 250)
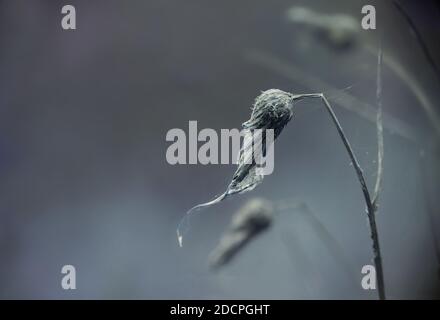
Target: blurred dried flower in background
point(339, 30)
point(252, 219)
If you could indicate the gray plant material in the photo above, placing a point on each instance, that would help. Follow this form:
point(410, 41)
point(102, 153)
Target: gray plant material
point(380, 153)
point(427, 106)
point(339, 30)
point(379, 126)
point(325, 23)
point(340, 27)
point(370, 208)
point(298, 14)
point(345, 99)
point(273, 110)
point(251, 220)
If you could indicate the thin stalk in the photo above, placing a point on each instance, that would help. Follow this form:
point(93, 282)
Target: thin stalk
point(377, 258)
point(379, 125)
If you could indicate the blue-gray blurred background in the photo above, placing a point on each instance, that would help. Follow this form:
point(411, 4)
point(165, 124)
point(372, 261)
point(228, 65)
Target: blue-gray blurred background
point(83, 174)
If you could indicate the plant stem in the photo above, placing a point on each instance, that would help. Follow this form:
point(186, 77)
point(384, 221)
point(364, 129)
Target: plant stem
point(370, 208)
point(379, 126)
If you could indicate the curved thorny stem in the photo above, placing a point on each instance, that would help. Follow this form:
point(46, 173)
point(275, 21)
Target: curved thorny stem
point(370, 207)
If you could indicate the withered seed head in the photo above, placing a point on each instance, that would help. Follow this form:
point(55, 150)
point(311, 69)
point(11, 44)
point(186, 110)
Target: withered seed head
point(272, 110)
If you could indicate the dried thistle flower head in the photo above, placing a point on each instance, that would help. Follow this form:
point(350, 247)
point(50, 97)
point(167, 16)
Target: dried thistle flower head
point(272, 110)
point(252, 219)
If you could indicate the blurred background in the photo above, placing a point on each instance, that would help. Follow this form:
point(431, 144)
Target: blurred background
point(83, 174)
